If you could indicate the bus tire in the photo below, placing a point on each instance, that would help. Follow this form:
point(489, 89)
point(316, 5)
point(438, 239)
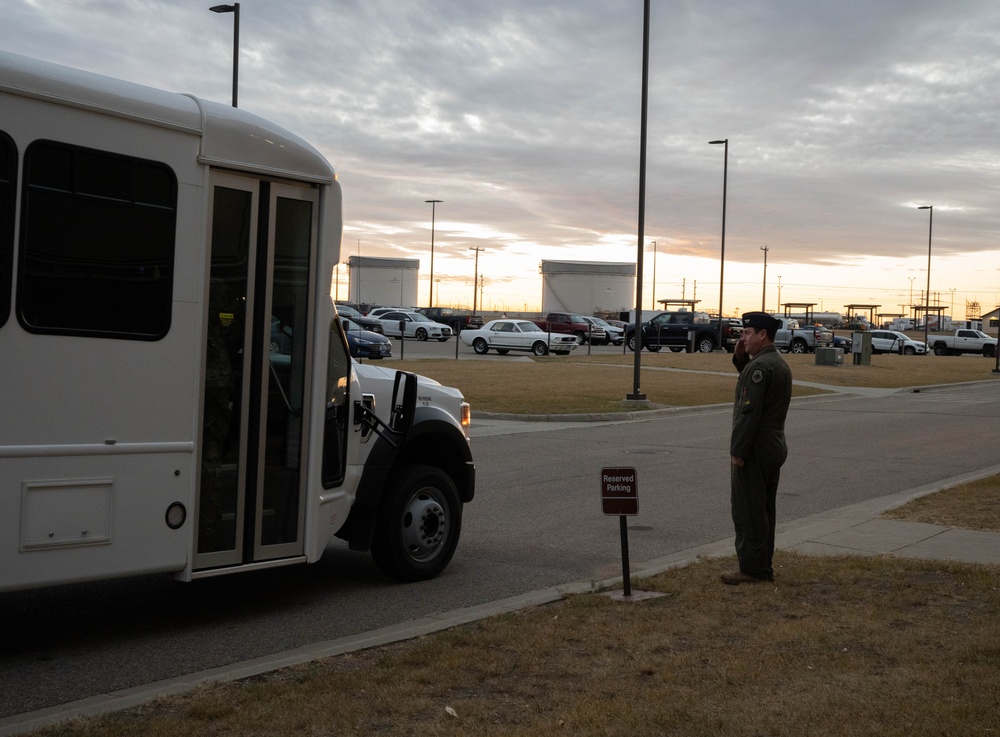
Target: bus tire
point(418, 524)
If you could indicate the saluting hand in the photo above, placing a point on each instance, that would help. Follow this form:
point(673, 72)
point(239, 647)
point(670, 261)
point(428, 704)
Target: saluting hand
point(741, 348)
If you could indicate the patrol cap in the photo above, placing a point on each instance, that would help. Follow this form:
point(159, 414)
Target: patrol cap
point(760, 321)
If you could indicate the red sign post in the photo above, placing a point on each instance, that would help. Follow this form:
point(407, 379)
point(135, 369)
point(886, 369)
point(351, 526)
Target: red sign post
point(620, 496)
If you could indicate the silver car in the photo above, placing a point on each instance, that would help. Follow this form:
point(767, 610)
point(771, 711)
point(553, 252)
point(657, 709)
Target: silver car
point(890, 341)
point(414, 325)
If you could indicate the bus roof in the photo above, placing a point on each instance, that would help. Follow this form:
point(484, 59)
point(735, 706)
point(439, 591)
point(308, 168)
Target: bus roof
point(230, 137)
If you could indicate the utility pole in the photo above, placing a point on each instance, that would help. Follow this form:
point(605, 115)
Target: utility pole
point(763, 295)
point(475, 271)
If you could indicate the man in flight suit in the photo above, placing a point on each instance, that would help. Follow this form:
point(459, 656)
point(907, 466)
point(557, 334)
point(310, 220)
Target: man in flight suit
point(757, 446)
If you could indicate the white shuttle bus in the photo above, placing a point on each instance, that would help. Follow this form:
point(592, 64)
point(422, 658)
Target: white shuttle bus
point(177, 394)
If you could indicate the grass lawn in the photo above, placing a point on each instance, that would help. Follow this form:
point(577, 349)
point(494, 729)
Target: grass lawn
point(582, 384)
point(835, 646)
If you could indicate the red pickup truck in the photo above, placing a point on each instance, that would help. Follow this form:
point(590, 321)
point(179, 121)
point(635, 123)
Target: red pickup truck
point(567, 322)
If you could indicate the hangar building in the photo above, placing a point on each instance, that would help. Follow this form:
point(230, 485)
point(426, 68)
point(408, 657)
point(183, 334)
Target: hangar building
point(587, 287)
point(383, 281)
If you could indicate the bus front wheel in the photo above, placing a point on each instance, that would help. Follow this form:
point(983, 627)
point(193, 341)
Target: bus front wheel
point(418, 525)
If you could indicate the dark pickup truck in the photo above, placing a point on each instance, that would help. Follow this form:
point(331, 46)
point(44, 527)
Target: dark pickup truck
point(684, 330)
point(455, 319)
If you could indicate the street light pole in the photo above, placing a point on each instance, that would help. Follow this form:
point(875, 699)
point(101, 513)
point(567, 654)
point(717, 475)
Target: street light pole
point(235, 10)
point(433, 204)
point(763, 294)
point(636, 394)
point(722, 255)
point(927, 296)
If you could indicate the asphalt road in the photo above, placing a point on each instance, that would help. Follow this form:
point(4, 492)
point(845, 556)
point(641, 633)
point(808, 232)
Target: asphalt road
point(536, 522)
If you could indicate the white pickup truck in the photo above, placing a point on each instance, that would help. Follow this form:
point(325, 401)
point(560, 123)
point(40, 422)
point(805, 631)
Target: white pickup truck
point(792, 338)
point(963, 341)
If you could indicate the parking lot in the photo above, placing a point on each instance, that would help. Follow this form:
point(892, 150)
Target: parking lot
point(454, 348)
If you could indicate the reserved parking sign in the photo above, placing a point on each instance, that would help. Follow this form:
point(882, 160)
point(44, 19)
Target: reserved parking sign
point(619, 491)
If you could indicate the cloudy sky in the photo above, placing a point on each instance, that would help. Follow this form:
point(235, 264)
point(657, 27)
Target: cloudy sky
point(523, 118)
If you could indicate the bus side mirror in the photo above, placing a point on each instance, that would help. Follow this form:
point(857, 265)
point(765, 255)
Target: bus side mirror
point(401, 418)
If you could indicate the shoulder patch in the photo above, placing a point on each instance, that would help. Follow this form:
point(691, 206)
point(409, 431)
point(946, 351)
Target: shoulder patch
point(757, 376)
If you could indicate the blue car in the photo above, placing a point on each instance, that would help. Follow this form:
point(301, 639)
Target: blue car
point(840, 341)
point(364, 343)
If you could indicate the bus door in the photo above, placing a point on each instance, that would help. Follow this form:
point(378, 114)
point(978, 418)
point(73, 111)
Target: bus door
point(262, 241)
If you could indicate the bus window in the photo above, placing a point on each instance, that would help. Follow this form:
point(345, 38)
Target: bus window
point(8, 177)
point(335, 427)
point(219, 520)
point(97, 243)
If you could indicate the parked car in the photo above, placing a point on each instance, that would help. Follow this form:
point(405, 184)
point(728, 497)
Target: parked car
point(366, 323)
point(793, 338)
point(455, 319)
point(414, 324)
point(615, 334)
point(377, 312)
point(365, 343)
point(681, 330)
point(510, 334)
point(569, 322)
point(889, 341)
point(964, 341)
point(839, 341)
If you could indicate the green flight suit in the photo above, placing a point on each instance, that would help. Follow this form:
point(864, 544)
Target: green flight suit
point(763, 393)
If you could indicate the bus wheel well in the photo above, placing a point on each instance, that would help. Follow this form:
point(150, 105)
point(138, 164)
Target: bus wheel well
point(435, 450)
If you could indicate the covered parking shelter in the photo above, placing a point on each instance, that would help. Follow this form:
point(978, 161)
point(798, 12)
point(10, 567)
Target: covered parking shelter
point(854, 311)
point(917, 310)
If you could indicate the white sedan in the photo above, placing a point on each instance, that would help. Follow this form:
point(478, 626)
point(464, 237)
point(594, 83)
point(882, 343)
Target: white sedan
point(889, 341)
point(414, 325)
point(507, 335)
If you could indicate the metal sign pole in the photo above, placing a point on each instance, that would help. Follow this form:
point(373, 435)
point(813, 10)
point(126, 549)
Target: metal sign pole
point(626, 577)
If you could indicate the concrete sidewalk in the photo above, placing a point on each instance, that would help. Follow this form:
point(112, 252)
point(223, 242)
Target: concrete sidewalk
point(857, 529)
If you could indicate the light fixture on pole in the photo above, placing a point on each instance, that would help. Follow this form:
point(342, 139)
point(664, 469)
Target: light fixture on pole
point(433, 204)
point(235, 10)
point(763, 294)
point(722, 255)
point(927, 295)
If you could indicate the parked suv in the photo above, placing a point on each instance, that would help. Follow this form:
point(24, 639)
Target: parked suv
point(889, 341)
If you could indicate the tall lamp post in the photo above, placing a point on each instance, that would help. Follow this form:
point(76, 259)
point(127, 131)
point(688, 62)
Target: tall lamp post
point(636, 394)
point(763, 294)
point(235, 10)
point(433, 204)
point(722, 255)
point(927, 296)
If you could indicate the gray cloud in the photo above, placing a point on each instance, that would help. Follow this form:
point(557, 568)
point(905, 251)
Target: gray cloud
point(523, 116)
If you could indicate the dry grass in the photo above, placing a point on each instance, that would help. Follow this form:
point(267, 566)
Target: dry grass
point(837, 646)
point(581, 383)
point(975, 506)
